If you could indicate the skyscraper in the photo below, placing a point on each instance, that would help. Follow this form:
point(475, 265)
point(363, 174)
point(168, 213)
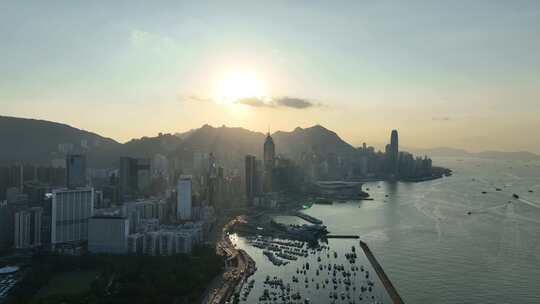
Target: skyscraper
point(394, 153)
point(251, 177)
point(269, 162)
point(183, 193)
point(76, 170)
point(127, 178)
point(134, 177)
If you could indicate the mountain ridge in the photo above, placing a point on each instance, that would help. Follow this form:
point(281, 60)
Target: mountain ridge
point(40, 141)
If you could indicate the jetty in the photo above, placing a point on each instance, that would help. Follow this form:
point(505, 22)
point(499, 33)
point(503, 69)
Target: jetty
point(342, 236)
point(308, 218)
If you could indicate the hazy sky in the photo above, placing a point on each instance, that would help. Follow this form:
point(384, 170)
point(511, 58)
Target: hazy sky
point(445, 73)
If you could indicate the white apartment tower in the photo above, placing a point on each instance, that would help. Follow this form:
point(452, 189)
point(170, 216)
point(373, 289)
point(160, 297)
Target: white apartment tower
point(183, 192)
point(70, 211)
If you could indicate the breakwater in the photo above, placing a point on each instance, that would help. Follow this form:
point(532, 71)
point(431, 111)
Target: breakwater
point(382, 275)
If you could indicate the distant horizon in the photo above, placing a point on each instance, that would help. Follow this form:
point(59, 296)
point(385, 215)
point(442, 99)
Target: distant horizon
point(376, 145)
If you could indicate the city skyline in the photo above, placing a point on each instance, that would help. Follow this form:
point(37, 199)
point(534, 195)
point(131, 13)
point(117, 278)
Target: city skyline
point(445, 74)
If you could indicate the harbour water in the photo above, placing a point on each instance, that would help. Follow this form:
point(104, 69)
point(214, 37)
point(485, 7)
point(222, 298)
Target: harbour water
point(429, 245)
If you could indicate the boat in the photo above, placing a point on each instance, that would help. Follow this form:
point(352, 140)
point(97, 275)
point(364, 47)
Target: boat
point(515, 196)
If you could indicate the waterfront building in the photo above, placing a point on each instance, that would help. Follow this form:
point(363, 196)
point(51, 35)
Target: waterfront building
point(393, 153)
point(75, 170)
point(70, 211)
point(108, 234)
point(184, 198)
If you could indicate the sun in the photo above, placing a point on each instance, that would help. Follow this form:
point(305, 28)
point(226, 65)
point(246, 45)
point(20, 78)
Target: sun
point(239, 84)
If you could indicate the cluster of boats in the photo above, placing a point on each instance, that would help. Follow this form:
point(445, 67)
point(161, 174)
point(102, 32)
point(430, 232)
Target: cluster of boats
point(323, 271)
point(280, 252)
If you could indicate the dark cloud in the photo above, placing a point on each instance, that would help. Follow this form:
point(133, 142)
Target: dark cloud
point(296, 103)
point(285, 102)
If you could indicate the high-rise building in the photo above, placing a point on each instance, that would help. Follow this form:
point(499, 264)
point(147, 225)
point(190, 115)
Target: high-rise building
point(22, 229)
point(134, 177)
point(75, 170)
point(29, 233)
point(5, 229)
point(143, 174)
point(28, 228)
point(127, 177)
point(183, 193)
point(251, 177)
point(393, 152)
point(269, 162)
point(70, 211)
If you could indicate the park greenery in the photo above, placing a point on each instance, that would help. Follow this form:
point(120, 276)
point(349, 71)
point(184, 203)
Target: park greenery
point(119, 278)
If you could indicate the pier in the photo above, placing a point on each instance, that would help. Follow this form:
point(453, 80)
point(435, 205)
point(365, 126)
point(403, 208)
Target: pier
point(308, 218)
point(392, 292)
point(342, 236)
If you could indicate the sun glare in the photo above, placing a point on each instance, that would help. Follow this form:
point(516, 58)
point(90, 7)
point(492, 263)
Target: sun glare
point(237, 85)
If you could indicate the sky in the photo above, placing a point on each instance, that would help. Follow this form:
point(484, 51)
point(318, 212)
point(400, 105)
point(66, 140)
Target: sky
point(463, 74)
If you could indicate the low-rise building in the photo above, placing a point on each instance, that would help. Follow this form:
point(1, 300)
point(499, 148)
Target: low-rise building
point(108, 234)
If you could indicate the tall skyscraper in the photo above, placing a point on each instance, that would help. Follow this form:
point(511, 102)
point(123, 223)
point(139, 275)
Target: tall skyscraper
point(70, 211)
point(269, 162)
point(251, 177)
point(75, 170)
point(127, 176)
point(134, 177)
point(183, 193)
point(394, 153)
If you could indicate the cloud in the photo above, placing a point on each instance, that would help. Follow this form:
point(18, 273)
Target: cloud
point(255, 102)
point(259, 102)
point(296, 103)
point(284, 102)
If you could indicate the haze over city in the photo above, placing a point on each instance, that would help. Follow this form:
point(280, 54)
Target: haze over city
point(458, 74)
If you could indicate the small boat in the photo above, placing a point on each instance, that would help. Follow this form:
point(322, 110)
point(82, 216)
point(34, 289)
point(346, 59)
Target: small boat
point(498, 189)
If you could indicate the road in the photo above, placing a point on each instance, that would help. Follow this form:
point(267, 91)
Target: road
point(241, 266)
